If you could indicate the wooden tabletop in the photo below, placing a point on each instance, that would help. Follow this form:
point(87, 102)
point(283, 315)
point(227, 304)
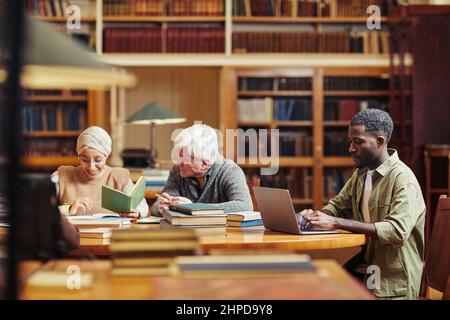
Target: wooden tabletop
point(329, 281)
point(253, 238)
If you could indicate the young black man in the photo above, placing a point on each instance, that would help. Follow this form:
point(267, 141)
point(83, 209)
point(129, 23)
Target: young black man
point(382, 200)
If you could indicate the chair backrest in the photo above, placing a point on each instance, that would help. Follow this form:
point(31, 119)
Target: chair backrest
point(446, 295)
point(437, 262)
point(253, 182)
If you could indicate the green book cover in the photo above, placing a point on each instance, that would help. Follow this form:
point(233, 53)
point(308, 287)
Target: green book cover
point(120, 202)
point(197, 208)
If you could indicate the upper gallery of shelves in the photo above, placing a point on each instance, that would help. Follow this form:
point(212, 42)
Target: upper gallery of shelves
point(224, 32)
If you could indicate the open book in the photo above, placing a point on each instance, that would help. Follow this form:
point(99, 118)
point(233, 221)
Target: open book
point(99, 220)
point(95, 216)
point(118, 201)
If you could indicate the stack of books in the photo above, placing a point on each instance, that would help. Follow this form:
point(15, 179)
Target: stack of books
point(95, 233)
point(195, 214)
point(244, 219)
point(241, 265)
point(155, 179)
point(200, 231)
point(144, 252)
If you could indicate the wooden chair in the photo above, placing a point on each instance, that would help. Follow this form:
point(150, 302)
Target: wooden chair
point(437, 262)
point(446, 295)
point(253, 182)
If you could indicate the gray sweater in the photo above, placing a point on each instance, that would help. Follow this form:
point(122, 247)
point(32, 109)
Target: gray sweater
point(225, 185)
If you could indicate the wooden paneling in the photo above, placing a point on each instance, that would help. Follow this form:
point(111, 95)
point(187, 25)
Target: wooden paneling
point(190, 92)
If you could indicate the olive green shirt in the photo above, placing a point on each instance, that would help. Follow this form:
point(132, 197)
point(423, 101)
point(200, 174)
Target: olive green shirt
point(397, 209)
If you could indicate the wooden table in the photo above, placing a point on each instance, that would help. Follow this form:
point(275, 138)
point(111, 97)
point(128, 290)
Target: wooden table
point(340, 246)
point(329, 281)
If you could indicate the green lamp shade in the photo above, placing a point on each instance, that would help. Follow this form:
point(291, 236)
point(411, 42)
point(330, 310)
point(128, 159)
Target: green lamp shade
point(153, 113)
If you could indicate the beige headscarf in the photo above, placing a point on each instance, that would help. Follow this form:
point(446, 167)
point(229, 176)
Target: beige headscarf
point(96, 138)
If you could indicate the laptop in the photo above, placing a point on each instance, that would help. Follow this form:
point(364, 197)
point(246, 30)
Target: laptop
point(277, 211)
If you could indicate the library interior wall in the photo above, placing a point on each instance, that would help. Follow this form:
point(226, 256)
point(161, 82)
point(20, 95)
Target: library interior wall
point(190, 92)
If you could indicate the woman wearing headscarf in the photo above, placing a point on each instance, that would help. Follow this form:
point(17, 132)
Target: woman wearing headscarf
point(80, 188)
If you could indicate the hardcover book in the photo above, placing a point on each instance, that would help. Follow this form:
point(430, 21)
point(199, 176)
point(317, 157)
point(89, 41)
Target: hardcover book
point(119, 201)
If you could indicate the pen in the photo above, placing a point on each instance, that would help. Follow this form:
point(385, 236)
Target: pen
point(160, 196)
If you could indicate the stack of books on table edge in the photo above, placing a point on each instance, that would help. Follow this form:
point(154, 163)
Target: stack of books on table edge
point(244, 219)
point(95, 233)
point(145, 252)
point(200, 231)
point(241, 265)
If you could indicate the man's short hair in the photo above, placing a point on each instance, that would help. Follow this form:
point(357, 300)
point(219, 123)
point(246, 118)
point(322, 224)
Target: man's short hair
point(374, 121)
point(200, 141)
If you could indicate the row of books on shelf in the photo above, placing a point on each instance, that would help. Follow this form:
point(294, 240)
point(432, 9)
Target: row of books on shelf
point(345, 109)
point(297, 180)
point(280, 8)
point(335, 143)
point(305, 8)
point(57, 8)
point(275, 84)
point(85, 35)
point(293, 109)
point(47, 8)
point(35, 118)
point(295, 144)
point(305, 84)
point(133, 7)
point(290, 144)
point(150, 39)
point(163, 7)
point(268, 109)
point(374, 42)
point(132, 39)
point(49, 147)
point(57, 93)
point(212, 39)
point(355, 83)
point(334, 181)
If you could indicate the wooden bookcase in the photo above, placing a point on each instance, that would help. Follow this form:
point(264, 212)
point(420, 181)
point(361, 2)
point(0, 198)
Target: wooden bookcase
point(333, 95)
point(51, 123)
point(223, 27)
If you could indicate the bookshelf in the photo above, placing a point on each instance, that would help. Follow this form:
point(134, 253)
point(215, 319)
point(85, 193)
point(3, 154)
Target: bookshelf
point(311, 108)
point(222, 27)
point(51, 123)
point(56, 12)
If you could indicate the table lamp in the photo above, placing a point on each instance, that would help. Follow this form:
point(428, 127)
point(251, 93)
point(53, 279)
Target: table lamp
point(153, 114)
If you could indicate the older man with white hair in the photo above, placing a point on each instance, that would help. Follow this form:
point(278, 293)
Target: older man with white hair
point(202, 175)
